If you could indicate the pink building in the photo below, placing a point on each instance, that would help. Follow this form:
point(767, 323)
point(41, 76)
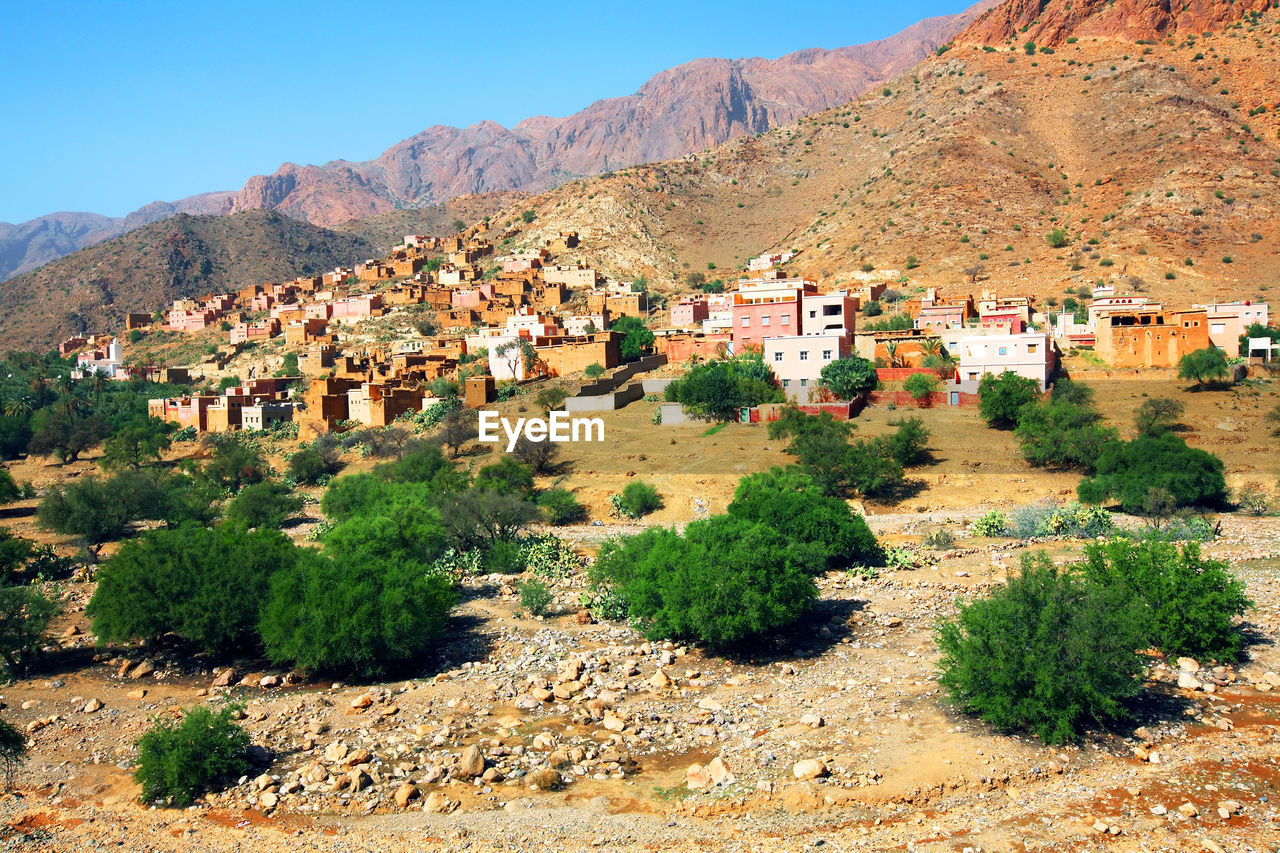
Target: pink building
point(259, 330)
point(220, 302)
point(1228, 320)
point(688, 312)
point(356, 306)
point(797, 361)
point(191, 320)
point(767, 309)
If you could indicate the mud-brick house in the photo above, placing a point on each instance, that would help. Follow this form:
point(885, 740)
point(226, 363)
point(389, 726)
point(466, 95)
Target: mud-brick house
point(1150, 337)
point(378, 405)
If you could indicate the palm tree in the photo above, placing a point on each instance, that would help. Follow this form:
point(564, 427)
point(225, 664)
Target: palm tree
point(931, 346)
point(891, 350)
point(17, 404)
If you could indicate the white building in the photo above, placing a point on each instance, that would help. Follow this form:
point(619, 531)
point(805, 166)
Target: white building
point(1029, 354)
point(797, 360)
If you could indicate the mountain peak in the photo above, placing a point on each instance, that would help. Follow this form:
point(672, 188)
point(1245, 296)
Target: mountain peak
point(1049, 23)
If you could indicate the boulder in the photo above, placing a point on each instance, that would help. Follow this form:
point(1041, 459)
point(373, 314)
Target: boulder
point(471, 764)
point(810, 768)
point(405, 793)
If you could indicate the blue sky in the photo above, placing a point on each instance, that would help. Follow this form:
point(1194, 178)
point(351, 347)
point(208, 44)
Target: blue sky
point(109, 106)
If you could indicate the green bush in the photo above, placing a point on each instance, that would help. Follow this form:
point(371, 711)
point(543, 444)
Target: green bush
point(179, 761)
point(535, 596)
point(506, 477)
point(849, 378)
point(594, 371)
point(236, 461)
point(265, 504)
point(725, 580)
point(353, 612)
point(1127, 471)
point(638, 499)
point(1002, 398)
point(1062, 434)
point(718, 390)
point(993, 524)
point(789, 502)
point(13, 749)
point(206, 585)
point(1046, 518)
point(504, 557)
point(25, 615)
point(907, 444)
point(636, 338)
point(839, 466)
point(1188, 602)
point(1157, 416)
point(100, 510)
point(920, 386)
point(561, 507)
point(1205, 366)
point(1049, 652)
point(312, 466)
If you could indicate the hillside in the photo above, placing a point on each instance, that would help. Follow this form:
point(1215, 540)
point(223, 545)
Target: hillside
point(683, 109)
point(1158, 160)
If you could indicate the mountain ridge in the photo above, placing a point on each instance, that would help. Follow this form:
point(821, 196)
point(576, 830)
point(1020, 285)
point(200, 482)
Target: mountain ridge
point(678, 111)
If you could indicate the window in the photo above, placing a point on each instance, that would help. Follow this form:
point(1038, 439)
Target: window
point(786, 383)
point(1004, 350)
point(1031, 347)
point(826, 355)
point(746, 321)
point(786, 318)
point(777, 356)
point(804, 382)
point(804, 355)
point(764, 320)
point(813, 314)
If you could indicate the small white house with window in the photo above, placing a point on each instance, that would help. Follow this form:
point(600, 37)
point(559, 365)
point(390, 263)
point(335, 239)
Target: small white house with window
point(1029, 354)
point(797, 361)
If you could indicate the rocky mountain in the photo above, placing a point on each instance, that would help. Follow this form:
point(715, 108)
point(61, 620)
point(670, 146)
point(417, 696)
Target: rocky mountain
point(185, 255)
point(681, 110)
point(35, 242)
point(1159, 161)
point(1050, 23)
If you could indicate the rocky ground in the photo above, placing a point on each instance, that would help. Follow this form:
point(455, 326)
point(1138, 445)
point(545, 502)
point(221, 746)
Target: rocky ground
point(553, 734)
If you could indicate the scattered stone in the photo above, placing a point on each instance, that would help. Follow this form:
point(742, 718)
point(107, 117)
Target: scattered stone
point(1188, 810)
point(405, 793)
point(225, 678)
point(140, 693)
point(813, 721)
point(92, 706)
point(810, 768)
point(660, 680)
point(438, 803)
point(142, 670)
point(471, 764)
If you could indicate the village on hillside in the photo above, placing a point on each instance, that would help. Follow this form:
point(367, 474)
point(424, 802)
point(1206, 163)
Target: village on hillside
point(459, 312)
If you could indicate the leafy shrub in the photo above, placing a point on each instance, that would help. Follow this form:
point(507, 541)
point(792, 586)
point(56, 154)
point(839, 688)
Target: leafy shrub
point(1072, 521)
point(993, 524)
point(506, 477)
point(101, 510)
point(313, 466)
point(1061, 434)
point(1049, 652)
point(1204, 366)
point(504, 557)
point(907, 443)
point(178, 761)
point(594, 370)
point(1190, 529)
point(551, 398)
point(560, 506)
point(920, 386)
point(849, 378)
point(236, 461)
point(25, 615)
point(638, 499)
point(350, 611)
point(1187, 602)
point(837, 465)
point(939, 539)
point(535, 596)
point(13, 749)
point(207, 585)
point(717, 390)
point(1127, 471)
point(1252, 499)
point(725, 580)
point(265, 504)
point(1002, 398)
point(1157, 415)
point(789, 502)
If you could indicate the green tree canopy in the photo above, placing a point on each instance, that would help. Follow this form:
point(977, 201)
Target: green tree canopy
point(1127, 471)
point(787, 500)
point(1204, 366)
point(849, 378)
point(725, 580)
point(718, 390)
point(1002, 397)
point(637, 338)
